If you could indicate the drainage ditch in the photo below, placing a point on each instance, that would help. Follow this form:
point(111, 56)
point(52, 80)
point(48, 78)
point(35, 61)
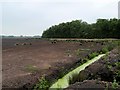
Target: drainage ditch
point(64, 82)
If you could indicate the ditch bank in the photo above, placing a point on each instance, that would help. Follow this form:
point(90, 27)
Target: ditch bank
point(104, 74)
point(68, 78)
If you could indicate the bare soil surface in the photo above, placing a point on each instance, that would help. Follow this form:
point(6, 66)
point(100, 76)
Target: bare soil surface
point(26, 60)
point(92, 85)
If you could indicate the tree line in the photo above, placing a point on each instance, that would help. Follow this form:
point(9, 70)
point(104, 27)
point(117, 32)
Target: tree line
point(103, 28)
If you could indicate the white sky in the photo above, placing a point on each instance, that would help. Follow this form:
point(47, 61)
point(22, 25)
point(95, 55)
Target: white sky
point(32, 17)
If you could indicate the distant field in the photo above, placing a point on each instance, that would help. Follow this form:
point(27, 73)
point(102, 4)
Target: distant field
point(77, 39)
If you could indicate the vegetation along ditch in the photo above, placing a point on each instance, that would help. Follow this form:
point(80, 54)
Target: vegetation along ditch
point(65, 81)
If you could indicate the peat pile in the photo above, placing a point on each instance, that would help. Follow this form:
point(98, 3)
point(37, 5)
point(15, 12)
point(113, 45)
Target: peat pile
point(91, 84)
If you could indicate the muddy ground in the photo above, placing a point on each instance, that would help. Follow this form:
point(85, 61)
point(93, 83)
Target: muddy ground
point(25, 60)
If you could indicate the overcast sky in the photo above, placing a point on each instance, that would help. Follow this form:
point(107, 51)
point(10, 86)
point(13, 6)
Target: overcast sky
point(32, 17)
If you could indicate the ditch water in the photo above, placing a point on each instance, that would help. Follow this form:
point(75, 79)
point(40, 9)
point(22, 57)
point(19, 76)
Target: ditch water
point(65, 81)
